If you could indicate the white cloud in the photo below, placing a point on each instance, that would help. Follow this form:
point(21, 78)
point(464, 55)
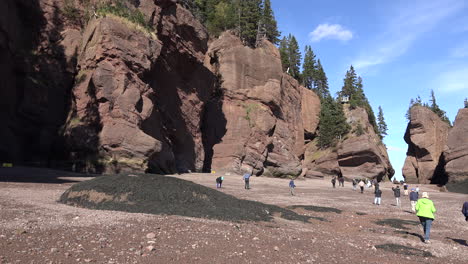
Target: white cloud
point(330, 31)
point(410, 22)
point(453, 81)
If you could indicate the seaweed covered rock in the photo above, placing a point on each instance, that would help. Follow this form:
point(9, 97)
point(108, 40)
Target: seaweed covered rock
point(156, 194)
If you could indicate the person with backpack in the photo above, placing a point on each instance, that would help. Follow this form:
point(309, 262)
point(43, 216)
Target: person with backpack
point(396, 193)
point(247, 181)
point(219, 181)
point(354, 184)
point(292, 186)
point(413, 196)
point(333, 181)
point(425, 210)
point(378, 196)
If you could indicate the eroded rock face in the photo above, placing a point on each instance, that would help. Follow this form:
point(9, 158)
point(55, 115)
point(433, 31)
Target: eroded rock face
point(357, 156)
point(259, 126)
point(456, 153)
point(426, 136)
point(139, 95)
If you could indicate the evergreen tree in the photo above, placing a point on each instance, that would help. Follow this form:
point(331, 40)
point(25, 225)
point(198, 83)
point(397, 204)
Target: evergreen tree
point(309, 69)
point(283, 49)
point(250, 14)
point(382, 126)
point(436, 109)
point(220, 16)
point(321, 82)
point(332, 124)
point(353, 89)
point(294, 57)
point(466, 102)
point(269, 22)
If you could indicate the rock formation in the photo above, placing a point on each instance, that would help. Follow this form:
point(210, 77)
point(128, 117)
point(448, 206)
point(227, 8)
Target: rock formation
point(426, 136)
point(138, 96)
point(456, 153)
point(359, 154)
point(103, 94)
point(257, 123)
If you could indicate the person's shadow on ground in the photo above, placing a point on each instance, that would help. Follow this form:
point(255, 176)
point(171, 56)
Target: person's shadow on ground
point(459, 241)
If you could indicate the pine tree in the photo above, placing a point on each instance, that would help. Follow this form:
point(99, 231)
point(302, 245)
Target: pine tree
point(284, 53)
point(309, 69)
point(382, 126)
point(321, 82)
point(294, 57)
point(332, 124)
point(349, 83)
point(436, 109)
point(250, 14)
point(269, 22)
point(466, 102)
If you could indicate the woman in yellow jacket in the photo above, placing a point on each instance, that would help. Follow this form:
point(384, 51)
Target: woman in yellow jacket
point(425, 211)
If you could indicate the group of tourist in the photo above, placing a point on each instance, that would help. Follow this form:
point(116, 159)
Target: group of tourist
point(423, 207)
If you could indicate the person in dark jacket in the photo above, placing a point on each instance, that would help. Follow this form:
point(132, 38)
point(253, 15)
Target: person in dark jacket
point(247, 181)
point(378, 196)
point(396, 193)
point(413, 196)
point(292, 186)
point(354, 184)
point(341, 181)
point(333, 181)
point(465, 210)
point(219, 181)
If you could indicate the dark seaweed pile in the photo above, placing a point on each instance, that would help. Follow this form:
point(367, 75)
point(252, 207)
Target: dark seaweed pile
point(156, 194)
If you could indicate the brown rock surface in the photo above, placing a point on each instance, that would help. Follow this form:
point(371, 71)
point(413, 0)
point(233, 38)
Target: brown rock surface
point(138, 96)
point(310, 111)
point(356, 156)
point(456, 154)
point(426, 136)
point(260, 128)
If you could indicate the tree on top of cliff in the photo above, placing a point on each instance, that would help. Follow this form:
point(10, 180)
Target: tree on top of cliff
point(309, 69)
point(290, 56)
point(321, 81)
point(332, 122)
point(247, 17)
point(382, 126)
point(436, 109)
point(466, 102)
point(269, 23)
point(353, 89)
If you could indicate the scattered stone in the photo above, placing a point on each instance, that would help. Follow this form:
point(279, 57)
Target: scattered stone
point(276, 248)
point(150, 235)
point(150, 248)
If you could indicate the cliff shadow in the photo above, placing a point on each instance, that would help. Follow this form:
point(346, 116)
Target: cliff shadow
point(38, 93)
point(440, 177)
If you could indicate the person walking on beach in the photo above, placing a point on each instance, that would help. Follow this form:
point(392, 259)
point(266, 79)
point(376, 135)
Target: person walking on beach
point(333, 181)
point(292, 186)
point(378, 196)
point(219, 181)
point(354, 184)
point(341, 181)
point(413, 196)
point(361, 185)
point(396, 193)
point(425, 210)
point(247, 181)
point(465, 210)
point(405, 188)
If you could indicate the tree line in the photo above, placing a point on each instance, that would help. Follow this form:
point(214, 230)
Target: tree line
point(433, 106)
point(250, 19)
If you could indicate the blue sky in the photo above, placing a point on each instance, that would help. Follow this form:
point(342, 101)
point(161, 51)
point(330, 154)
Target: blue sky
point(401, 49)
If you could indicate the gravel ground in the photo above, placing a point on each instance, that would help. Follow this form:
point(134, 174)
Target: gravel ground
point(345, 227)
